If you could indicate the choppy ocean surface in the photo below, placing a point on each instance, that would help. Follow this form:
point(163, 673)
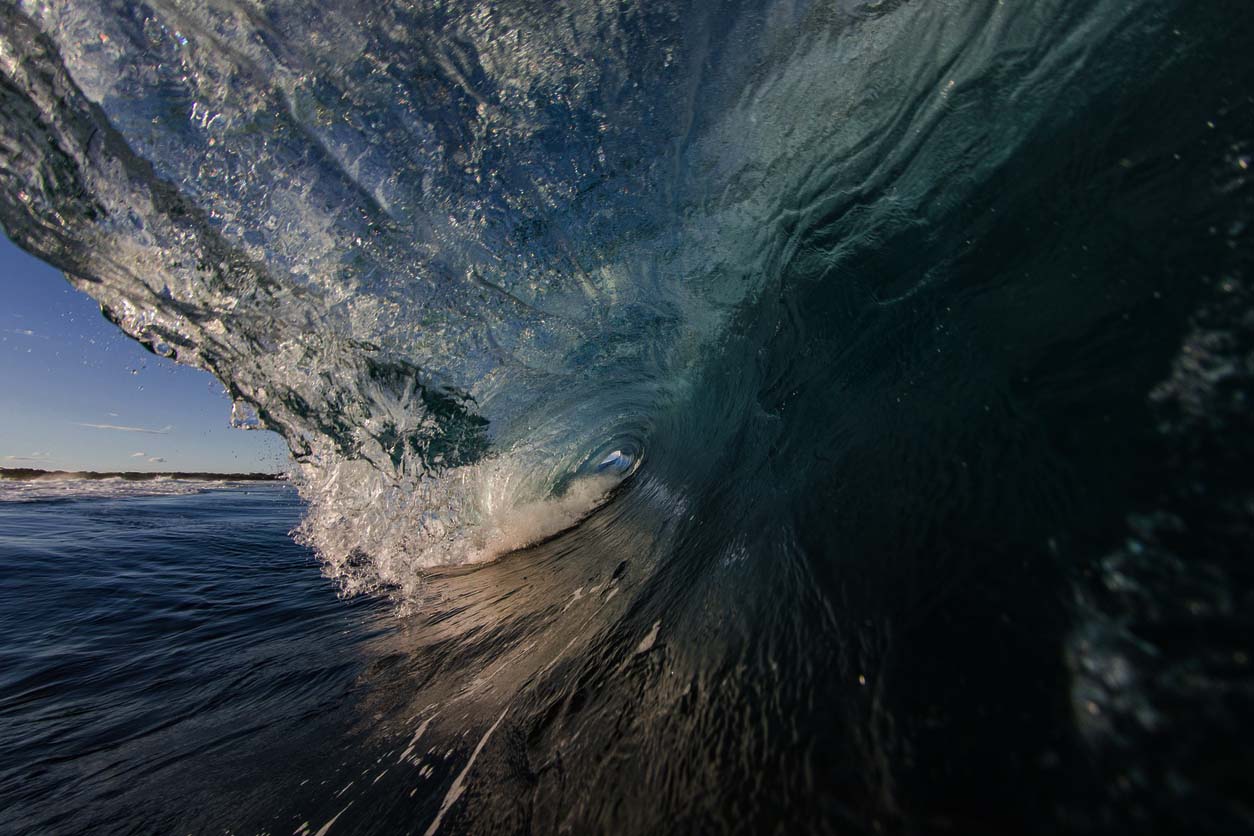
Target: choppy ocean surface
point(753, 416)
point(172, 663)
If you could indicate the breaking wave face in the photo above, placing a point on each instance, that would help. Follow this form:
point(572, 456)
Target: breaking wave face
point(887, 364)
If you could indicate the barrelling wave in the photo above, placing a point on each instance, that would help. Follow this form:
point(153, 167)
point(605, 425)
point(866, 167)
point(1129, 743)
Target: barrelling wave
point(769, 415)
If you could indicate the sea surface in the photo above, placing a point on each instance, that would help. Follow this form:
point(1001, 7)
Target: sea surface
point(758, 416)
point(172, 663)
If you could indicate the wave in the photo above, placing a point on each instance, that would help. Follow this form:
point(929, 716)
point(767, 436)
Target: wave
point(427, 252)
point(910, 327)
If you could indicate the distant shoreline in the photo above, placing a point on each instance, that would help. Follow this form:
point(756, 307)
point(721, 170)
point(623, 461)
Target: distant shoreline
point(30, 474)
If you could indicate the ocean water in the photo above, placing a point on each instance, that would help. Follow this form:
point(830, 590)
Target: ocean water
point(171, 663)
point(716, 417)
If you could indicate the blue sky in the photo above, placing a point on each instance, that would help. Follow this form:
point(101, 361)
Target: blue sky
point(79, 395)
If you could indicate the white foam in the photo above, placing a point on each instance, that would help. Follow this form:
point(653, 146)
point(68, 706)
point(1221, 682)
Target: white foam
point(515, 527)
point(646, 644)
point(326, 828)
point(414, 740)
point(376, 532)
point(459, 783)
point(69, 488)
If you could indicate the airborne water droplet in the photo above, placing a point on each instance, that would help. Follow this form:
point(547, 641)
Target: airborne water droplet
point(244, 416)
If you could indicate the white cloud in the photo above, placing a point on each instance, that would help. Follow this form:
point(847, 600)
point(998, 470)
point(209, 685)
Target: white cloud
point(163, 431)
point(156, 460)
point(33, 457)
point(138, 455)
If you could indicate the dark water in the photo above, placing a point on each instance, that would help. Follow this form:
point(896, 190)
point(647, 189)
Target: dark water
point(170, 664)
point(925, 331)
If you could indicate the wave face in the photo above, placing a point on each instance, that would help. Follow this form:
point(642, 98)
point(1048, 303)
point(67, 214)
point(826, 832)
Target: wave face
point(881, 366)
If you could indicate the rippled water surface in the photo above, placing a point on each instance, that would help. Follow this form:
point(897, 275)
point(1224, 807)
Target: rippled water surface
point(170, 662)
